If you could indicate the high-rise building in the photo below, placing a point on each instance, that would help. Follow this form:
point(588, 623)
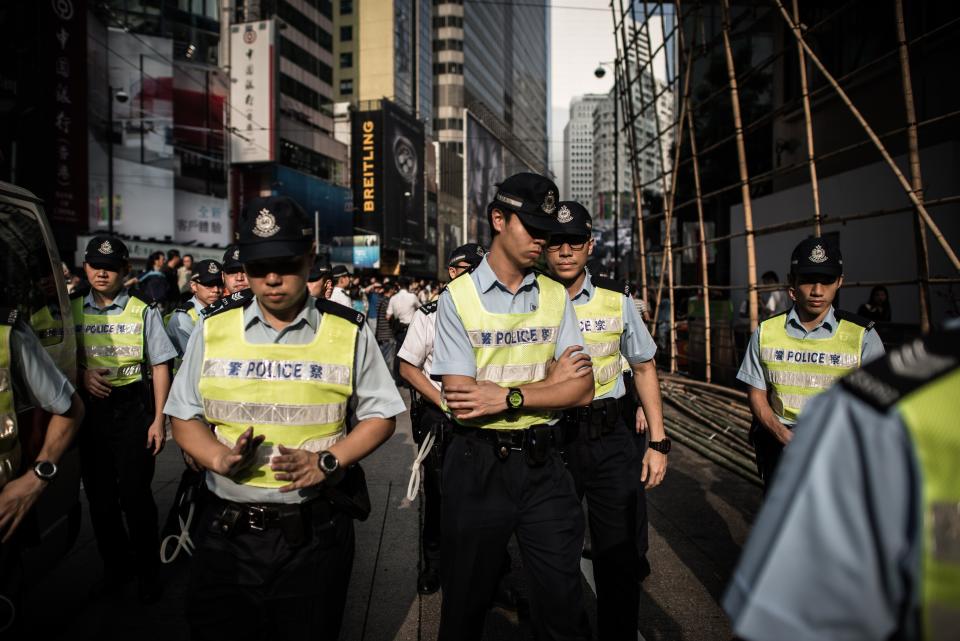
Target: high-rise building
point(578, 149)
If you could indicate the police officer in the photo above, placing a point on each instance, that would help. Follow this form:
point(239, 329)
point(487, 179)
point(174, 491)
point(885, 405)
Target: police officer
point(28, 378)
point(416, 360)
point(795, 355)
point(120, 340)
point(498, 331)
point(858, 536)
point(207, 287)
point(601, 451)
point(319, 282)
point(273, 374)
point(234, 278)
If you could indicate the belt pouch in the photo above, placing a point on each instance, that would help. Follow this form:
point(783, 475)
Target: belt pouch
point(226, 521)
point(536, 445)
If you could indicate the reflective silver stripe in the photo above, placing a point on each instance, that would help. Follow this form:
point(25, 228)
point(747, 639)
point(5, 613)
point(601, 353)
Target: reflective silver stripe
point(795, 401)
point(801, 379)
point(110, 328)
point(4, 379)
point(519, 336)
point(125, 371)
point(269, 370)
point(47, 333)
point(811, 357)
point(945, 526)
point(510, 373)
point(608, 372)
point(95, 351)
point(611, 324)
point(596, 350)
point(273, 413)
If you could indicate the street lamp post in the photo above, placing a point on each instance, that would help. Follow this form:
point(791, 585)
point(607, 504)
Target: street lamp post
point(120, 96)
point(600, 72)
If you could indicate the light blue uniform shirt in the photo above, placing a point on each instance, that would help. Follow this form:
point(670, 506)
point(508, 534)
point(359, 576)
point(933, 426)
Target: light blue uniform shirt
point(375, 392)
point(157, 346)
point(453, 352)
point(181, 325)
point(37, 382)
point(834, 552)
point(636, 344)
point(751, 370)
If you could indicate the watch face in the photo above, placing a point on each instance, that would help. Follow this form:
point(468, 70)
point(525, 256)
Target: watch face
point(45, 469)
point(328, 462)
point(515, 399)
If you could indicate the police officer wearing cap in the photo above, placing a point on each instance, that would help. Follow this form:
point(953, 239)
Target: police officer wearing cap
point(858, 537)
point(120, 341)
point(341, 280)
point(273, 375)
point(797, 354)
point(500, 330)
point(601, 451)
point(427, 419)
point(319, 282)
point(234, 278)
point(207, 287)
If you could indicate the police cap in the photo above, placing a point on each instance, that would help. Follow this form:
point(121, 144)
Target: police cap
point(574, 220)
point(471, 254)
point(816, 256)
point(532, 197)
point(231, 259)
point(318, 271)
point(274, 227)
point(208, 272)
point(339, 270)
point(106, 252)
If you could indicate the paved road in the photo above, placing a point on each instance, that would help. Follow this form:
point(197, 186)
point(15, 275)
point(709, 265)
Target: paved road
point(699, 520)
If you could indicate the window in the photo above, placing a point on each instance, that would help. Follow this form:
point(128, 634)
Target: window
point(346, 33)
point(299, 91)
point(302, 58)
point(346, 7)
point(346, 60)
point(346, 87)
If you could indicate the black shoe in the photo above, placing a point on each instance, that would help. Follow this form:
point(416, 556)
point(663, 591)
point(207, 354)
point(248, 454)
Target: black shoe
point(510, 599)
point(644, 569)
point(428, 582)
point(587, 552)
point(148, 591)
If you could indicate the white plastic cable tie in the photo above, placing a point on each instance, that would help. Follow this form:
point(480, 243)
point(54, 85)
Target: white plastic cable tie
point(184, 542)
point(413, 487)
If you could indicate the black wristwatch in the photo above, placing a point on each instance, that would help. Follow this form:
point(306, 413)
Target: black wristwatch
point(45, 470)
point(661, 446)
point(330, 466)
point(514, 398)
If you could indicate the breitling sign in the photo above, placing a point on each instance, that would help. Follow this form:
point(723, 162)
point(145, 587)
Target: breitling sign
point(367, 164)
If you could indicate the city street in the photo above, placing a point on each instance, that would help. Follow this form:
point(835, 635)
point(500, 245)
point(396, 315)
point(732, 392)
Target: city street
point(699, 520)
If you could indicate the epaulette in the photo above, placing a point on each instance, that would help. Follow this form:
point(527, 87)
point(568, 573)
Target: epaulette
point(183, 307)
point(885, 381)
point(348, 313)
point(135, 293)
point(8, 315)
point(233, 301)
point(850, 317)
point(611, 284)
point(429, 308)
point(78, 293)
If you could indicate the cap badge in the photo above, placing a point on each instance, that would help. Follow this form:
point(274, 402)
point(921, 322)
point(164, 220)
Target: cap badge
point(818, 255)
point(564, 215)
point(236, 254)
point(266, 224)
point(105, 248)
point(213, 269)
point(549, 202)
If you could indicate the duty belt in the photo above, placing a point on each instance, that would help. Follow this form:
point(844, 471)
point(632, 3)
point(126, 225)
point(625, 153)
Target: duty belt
point(535, 442)
point(292, 519)
point(600, 417)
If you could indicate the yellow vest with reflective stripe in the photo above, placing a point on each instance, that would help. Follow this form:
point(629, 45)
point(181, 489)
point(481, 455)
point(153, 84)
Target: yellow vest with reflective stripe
point(797, 369)
point(930, 414)
point(114, 342)
point(9, 438)
point(48, 329)
point(511, 349)
point(601, 323)
point(290, 393)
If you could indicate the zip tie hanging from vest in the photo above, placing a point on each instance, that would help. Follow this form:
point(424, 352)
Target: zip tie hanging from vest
point(184, 542)
point(413, 487)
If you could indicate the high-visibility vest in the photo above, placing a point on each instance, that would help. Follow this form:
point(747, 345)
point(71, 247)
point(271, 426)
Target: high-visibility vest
point(48, 329)
point(601, 323)
point(293, 394)
point(511, 349)
point(797, 369)
point(9, 437)
point(114, 342)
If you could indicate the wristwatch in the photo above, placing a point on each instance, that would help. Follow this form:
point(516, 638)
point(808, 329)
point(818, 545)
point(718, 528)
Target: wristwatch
point(45, 470)
point(514, 398)
point(330, 466)
point(661, 446)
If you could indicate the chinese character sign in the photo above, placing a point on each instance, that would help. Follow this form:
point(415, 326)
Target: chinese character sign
point(252, 92)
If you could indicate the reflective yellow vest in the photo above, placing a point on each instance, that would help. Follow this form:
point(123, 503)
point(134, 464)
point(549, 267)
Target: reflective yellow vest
point(114, 342)
point(797, 369)
point(9, 437)
point(511, 349)
point(294, 395)
point(47, 328)
point(601, 323)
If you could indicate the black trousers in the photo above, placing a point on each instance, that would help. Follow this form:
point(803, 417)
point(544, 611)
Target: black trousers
point(767, 450)
point(117, 469)
point(485, 500)
point(430, 418)
point(606, 470)
point(256, 585)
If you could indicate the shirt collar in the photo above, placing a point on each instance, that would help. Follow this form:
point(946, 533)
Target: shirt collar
point(197, 305)
point(119, 301)
point(308, 315)
point(829, 321)
point(486, 278)
point(586, 289)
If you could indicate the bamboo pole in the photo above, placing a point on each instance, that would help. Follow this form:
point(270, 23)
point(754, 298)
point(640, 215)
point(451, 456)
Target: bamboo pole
point(907, 188)
point(808, 126)
point(744, 176)
point(916, 178)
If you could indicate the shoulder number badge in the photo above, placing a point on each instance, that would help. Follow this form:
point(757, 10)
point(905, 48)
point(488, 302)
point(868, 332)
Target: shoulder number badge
point(266, 224)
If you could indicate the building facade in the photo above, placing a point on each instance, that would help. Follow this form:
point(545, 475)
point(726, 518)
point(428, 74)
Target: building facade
point(578, 149)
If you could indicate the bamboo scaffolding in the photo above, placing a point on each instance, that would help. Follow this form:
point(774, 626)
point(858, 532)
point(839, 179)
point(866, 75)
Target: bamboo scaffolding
point(908, 189)
point(753, 302)
point(916, 179)
point(808, 127)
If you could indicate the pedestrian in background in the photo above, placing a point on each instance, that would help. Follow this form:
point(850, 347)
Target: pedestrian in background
point(878, 307)
point(775, 301)
point(152, 282)
point(184, 272)
point(384, 332)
